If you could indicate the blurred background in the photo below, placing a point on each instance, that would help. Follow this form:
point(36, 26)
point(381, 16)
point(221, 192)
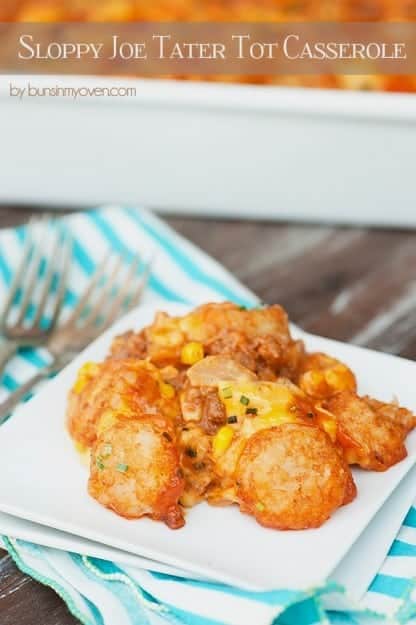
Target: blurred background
point(323, 148)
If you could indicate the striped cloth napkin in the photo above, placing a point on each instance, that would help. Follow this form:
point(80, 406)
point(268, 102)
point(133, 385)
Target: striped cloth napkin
point(99, 592)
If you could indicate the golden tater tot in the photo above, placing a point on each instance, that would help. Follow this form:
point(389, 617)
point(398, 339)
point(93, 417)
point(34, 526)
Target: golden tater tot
point(126, 387)
point(399, 415)
point(292, 477)
point(135, 471)
point(370, 438)
point(322, 376)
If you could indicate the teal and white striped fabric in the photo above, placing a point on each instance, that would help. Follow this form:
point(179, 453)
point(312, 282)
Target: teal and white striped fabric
point(103, 593)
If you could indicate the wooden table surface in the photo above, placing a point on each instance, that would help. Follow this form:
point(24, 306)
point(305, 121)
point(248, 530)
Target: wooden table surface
point(352, 284)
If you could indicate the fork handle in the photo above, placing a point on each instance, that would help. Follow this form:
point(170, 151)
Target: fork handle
point(7, 406)
point(7, 350)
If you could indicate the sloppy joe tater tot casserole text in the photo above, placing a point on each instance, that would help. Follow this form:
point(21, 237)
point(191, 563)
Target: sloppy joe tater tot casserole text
point(237, 11)
point(223, 405)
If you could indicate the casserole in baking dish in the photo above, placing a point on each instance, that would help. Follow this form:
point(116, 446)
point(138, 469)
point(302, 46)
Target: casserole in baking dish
point(233, 11)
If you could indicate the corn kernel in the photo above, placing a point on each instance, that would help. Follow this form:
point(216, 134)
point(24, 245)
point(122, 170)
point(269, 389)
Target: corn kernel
point(79, 385)
point(340, 378)
point(84, 453)
point(222, 440)
point(80, 447)
point(85, 374)
point(192, 352)
point(106, 421)
point(166, 390)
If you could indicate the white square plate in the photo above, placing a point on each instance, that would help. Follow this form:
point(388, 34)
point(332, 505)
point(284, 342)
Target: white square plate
point(44, 481)
point(355, 572)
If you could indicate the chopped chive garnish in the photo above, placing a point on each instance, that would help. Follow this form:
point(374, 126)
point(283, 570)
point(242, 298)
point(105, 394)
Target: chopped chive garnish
point(107, 449)
point(243, 307)
point(227, 393)
point(260, 506)
point(191, 452)
point(99, 463)
point(122, 468)
point(251, 411)
point(244, 400)
point(232, 419)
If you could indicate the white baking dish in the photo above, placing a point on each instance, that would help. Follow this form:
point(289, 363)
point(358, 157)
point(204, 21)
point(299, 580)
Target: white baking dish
point(213, 149)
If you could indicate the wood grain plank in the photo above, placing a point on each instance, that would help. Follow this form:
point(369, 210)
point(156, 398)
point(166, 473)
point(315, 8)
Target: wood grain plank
point(249, 249)
point(374, 297)
point(25, 602)
point(328, 279)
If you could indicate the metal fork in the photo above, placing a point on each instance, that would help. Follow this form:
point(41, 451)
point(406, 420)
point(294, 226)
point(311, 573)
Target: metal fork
point(15, 326)
point(101, 304)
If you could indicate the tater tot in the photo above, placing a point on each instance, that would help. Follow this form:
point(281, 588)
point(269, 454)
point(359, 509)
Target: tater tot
point(129, 387)
point(292, 477)
point(135, 471)
point(397, 414)
point(373, 440)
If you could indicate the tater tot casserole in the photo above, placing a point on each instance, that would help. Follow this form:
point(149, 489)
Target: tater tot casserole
point(223, 405)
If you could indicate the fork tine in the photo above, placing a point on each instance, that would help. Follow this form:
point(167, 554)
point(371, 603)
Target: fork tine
point(118, 301)
point(19, 275)
point(105, 295)
point(47, 282)
point(135, 297)
point(63, 278)
point(144, 278)
point(88, 294)
point(33, 274)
